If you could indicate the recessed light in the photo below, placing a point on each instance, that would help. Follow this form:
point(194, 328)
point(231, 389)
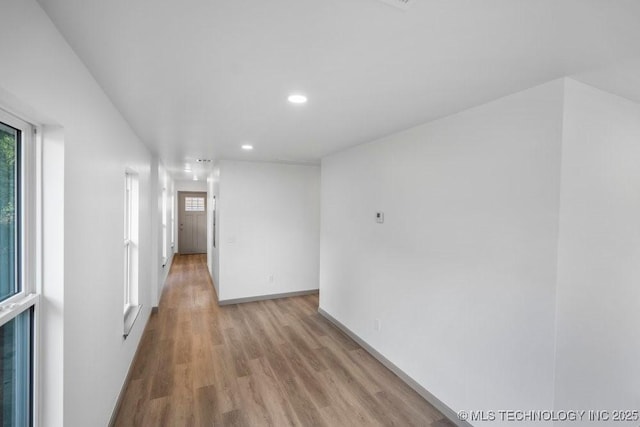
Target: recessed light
point(247, 147)
point(297, 99)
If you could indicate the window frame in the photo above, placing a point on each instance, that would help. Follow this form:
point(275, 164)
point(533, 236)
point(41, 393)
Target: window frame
point(29, 244)
point(193, 204)
point(173, 222)
point(131, 217)
point(165, 252)
point(128, 208)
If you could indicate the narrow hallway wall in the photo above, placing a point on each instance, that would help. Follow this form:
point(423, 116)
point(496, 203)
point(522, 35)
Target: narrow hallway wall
point(41, 71)
point(460, 278)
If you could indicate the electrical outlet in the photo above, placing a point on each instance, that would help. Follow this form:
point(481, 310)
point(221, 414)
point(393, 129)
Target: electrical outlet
point(377, 325)
point(271, 279)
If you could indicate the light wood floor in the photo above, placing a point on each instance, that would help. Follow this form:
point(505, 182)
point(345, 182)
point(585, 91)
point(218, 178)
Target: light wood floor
point(272, 362)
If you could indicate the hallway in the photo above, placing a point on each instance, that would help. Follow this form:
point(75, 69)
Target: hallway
point(274, 362)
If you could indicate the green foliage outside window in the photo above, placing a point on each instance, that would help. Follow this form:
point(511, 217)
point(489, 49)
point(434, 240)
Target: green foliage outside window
point(8, 145)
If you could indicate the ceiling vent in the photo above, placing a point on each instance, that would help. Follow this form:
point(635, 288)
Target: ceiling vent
point(400, 4)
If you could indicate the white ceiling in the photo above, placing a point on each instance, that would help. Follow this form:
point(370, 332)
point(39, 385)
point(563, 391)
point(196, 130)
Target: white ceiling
point(198, 78)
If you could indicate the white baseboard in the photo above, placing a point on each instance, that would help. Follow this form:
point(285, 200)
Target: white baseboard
point(123, 389)
point(266, 297)
point(437, 403)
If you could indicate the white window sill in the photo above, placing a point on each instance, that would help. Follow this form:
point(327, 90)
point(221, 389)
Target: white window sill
point(130, 317)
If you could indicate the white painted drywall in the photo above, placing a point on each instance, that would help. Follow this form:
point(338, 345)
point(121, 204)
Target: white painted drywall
point(269, 226)
point(42, 71)
point(599, 253)
point(155, 212)
point(162, 265)
point(462, 273)
point(190, 185)
point(51, 363)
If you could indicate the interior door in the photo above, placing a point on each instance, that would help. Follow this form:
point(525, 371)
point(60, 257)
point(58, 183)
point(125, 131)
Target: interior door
point(192, 223)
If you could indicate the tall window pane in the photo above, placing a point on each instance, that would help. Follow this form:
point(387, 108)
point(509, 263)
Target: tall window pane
point(17, 300)
point(16, 371)
point(9, 170)
point(128, 202)
point(164, 225)
point(131, 227)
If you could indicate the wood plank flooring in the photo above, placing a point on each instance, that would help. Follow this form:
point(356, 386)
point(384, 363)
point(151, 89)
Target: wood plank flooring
point(267, 363)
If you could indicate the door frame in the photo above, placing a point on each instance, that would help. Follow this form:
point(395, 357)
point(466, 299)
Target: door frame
point(180, 214)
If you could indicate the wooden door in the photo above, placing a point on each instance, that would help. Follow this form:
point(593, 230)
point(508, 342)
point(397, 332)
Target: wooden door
point(192, 222)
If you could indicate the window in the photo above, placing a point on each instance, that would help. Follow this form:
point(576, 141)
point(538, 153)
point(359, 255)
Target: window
point(173, 222)
point(194, 204)
point(10, 144)
point(131, 217)
point(214, 221)
point(18, 297)
point(16, 342)
point(164, 227)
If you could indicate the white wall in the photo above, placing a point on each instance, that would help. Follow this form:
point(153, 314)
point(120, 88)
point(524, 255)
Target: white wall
point(51, 369)
point(41, 70)
point(155, 212)
point(599, 253)
point(269, 226)
point(162, 265)
point(462, 273)
point(190, 185)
